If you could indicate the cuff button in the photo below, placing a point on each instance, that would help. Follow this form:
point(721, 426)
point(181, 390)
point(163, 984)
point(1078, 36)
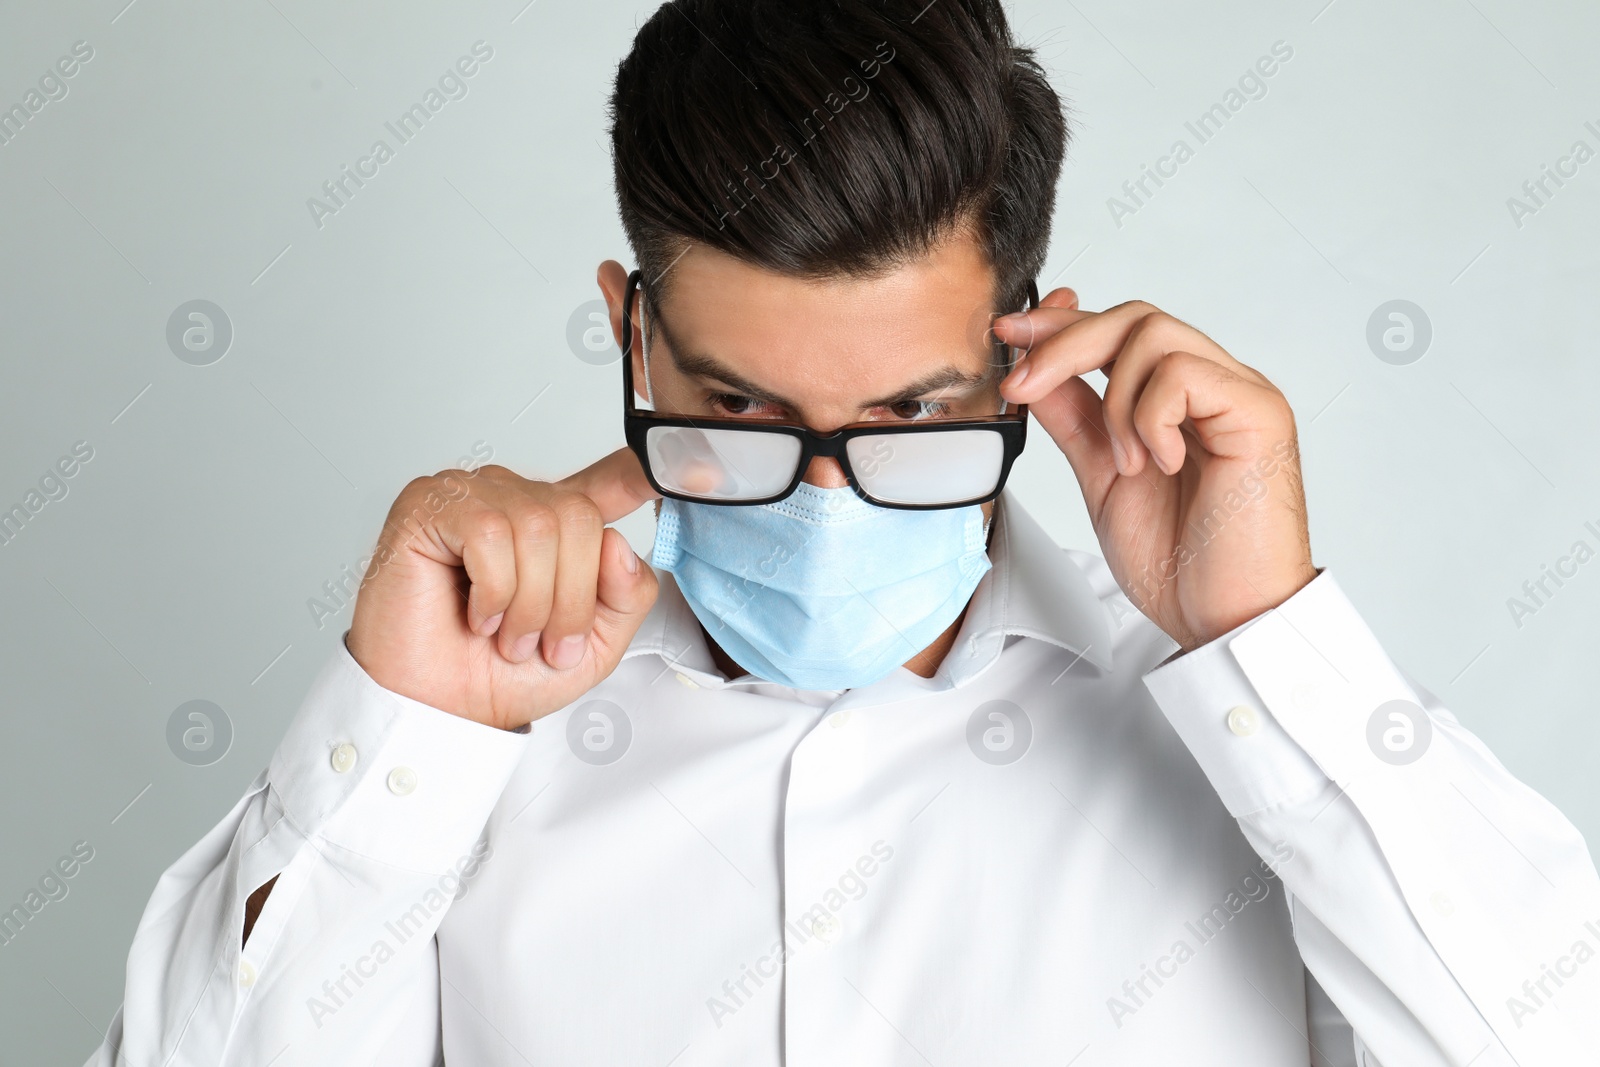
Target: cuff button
point(343, 758)
point(402, 780)
point(1243, 721)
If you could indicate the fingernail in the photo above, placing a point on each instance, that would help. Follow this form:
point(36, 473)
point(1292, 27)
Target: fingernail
point(524, 648)
point(567, 653)
point(1018, 372)
point(1118, 456)
point(630, 560)
point(489, 626)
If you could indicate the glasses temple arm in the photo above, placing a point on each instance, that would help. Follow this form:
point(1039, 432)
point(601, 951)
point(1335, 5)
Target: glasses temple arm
point(1033, 302)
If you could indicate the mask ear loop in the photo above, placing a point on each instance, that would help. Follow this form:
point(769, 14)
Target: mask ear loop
point(644, 351)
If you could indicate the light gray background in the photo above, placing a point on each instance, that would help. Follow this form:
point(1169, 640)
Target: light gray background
point(430, 311)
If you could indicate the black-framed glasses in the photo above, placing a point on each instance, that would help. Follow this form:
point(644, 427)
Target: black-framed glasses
point(917, 466)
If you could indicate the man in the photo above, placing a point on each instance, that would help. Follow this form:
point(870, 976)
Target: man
point(871, 772)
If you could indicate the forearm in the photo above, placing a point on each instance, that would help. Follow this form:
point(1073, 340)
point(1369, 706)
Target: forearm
point(1429, 883)
point(307, 915)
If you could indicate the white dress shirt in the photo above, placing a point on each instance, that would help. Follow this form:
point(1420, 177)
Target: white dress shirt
point(1060, 849)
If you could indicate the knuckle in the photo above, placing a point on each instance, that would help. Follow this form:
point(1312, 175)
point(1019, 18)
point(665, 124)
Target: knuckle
point(578, 514)
point(1279, 405)
point(434, 491)
point(440, 485)
point(455, 484)
point(1078, 431)
point(415, 489)
point(1173, 364)
point(1152, 323)
point(1147, 419)
point(492, 592)
point(487, 527)
point(536, 522)
point(422, 499)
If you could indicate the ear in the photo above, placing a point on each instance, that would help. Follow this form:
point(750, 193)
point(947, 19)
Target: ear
point(613, 279)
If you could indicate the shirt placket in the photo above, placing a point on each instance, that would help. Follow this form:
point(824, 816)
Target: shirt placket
point(829, 831)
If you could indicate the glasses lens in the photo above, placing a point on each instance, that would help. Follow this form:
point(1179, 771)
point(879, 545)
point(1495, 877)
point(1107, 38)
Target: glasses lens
point(927, 468)
point(722, 464)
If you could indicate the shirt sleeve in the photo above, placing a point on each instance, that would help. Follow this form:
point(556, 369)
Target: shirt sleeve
point(1450, 912)
point(370, 815)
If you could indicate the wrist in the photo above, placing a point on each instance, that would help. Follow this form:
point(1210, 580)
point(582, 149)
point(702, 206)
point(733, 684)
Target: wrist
point(1269, 598)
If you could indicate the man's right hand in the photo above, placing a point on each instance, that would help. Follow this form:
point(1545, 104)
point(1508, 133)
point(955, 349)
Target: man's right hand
point(510, 599)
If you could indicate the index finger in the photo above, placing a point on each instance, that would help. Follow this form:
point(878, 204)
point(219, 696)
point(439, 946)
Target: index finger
point(616, 484)
point(1029, 329)
point(1057, 343)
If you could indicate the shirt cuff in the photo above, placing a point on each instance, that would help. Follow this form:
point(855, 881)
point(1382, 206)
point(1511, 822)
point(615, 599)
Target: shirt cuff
point(1231, 722)
point(388, 777)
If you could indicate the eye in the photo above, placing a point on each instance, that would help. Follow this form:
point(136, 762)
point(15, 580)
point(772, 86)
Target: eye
point(913, 410)
point(735, 404)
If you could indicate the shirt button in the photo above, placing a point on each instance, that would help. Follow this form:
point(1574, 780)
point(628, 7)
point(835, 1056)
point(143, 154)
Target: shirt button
point(343, 758)
point(839, 718)
point(247, 974)
point(1243, 721)
point(402, 780)
point(826, 928)
point(1443, 904)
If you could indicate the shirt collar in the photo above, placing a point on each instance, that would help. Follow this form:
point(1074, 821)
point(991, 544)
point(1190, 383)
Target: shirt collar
point(1033, 589)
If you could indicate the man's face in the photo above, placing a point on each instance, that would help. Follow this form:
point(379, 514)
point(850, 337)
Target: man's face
point(910, 344)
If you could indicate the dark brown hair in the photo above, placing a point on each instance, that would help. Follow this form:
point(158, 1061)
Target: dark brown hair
point(821, 138)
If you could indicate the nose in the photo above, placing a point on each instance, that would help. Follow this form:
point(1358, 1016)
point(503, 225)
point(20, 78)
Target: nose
point(824, 472)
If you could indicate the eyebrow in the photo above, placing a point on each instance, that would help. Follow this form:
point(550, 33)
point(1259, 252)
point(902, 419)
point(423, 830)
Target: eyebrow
point(700, 365)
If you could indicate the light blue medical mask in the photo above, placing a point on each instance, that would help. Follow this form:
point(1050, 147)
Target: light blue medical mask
point(822, 590)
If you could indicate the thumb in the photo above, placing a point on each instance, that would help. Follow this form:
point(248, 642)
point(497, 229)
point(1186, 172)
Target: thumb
point(625, 592)
point(1072, 414)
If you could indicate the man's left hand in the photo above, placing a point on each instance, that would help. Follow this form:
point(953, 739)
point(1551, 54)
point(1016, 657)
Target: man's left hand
point(1189, 464)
